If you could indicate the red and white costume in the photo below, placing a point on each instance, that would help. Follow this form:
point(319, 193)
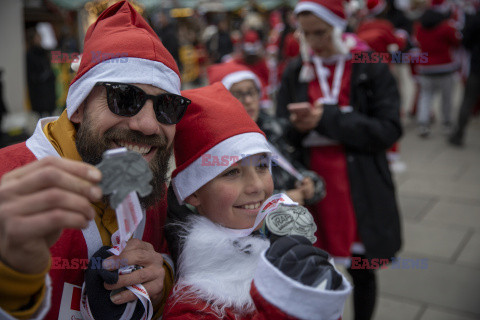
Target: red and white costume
point(225, 277)
point(223, 274)
point(64, 281)
point(119, 47)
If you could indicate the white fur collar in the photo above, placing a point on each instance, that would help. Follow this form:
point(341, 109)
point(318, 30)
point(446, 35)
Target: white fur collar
point(216, 267)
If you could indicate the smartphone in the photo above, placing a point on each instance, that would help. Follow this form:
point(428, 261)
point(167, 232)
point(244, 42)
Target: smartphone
point(300, 108)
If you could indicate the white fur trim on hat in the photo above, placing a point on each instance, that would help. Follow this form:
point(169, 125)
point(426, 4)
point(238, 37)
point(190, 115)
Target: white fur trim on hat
point(321, 12)
point(252, 48)
point(216, 160)
point(235, 77)
point(297, 299)
point(125, 70)
point(379, 8)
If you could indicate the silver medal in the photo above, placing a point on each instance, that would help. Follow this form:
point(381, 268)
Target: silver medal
point(291, 220)
point(124, 171)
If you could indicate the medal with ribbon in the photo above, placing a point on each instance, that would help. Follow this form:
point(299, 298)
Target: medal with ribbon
point(125, 173)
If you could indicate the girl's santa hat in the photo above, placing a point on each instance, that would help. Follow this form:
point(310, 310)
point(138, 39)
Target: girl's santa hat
point(215, 133)
point(121, 47)
point(230, 73)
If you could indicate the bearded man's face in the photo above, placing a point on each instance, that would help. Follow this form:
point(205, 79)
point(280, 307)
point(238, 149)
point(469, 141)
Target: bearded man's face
point(98, 130)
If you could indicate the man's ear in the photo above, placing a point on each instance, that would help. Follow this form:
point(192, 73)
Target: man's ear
point(77, 116)
point(193, 200)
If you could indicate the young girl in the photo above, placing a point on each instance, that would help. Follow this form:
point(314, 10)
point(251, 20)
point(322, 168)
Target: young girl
point(244, 85)
point(226, 269)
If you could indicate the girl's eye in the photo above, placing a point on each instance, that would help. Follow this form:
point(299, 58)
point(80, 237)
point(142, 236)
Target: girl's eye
point(263, 164)
point(232, 172)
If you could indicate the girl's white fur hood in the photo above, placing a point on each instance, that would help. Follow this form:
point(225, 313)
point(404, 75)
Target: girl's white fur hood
point(216, 266)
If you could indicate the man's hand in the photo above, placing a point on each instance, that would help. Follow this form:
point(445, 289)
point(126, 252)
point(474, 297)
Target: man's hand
point(307, 120)
point(151, 276)
point(38, 201)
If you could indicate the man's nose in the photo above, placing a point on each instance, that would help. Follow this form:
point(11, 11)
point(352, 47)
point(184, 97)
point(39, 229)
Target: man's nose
point(145, 121)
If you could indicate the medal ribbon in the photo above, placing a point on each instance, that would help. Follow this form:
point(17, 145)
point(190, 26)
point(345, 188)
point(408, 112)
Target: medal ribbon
point(129, 215)
point(329, 96)
point(279, 159)
point(268, 206)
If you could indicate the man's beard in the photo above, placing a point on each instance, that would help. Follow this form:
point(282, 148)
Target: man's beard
point(91, 148)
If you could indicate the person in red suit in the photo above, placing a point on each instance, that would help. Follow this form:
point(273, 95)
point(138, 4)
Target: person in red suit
point(53, 216)
point(351, 118)
point(227, 268)
point(381, 36)
point(251, 56)
point(437, 36)
point(378, 32)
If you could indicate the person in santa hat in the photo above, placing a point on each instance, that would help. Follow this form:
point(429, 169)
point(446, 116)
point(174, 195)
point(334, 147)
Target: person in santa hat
point(252, 56)
point(224, 269)
point(349, 114)
point(378, 32)
point(381, 36)
point(53, 217)
point(246, 87)
point(436, 36)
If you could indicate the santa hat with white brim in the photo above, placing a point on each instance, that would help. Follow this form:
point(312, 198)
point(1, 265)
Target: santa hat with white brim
point(214, 134)
point(330, 11)
point(121, 47)
point(230, 73)
point(375, 7)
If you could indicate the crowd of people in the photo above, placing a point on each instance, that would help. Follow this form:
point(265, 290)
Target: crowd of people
point(434, 38)
point(304, 113)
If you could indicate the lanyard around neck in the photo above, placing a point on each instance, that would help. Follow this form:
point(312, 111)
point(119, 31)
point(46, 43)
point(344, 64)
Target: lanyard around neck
point(329, 96)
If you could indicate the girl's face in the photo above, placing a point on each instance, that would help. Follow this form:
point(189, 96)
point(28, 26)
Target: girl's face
point(233, 198)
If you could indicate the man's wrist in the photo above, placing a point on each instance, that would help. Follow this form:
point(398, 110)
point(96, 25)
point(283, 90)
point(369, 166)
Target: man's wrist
point(17, 289)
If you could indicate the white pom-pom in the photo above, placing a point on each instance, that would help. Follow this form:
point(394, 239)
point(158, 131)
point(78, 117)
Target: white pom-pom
point(307, 73)
point(392, 47)
point(76, 63)
point(338, 43)
point(350, 42)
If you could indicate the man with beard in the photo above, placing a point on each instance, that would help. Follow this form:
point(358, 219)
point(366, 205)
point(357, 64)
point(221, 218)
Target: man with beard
point(52, 214)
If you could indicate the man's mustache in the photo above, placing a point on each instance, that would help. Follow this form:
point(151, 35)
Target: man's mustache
point(135, 137)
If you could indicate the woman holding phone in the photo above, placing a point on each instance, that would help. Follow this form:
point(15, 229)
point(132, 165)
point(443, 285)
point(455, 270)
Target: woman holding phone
point(349, 116)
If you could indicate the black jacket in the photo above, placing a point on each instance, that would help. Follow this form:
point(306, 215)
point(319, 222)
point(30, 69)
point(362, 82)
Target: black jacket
point(40, 80)
point(366, 134)
point(471, 40)
point(281, 134)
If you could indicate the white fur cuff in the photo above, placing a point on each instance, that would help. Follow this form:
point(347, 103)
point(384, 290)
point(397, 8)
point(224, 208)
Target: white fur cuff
point(296, 299)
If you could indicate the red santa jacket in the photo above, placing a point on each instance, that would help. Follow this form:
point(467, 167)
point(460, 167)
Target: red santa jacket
point(225, 277)
point(380, 35)
point(74, 247)
point(437, 39)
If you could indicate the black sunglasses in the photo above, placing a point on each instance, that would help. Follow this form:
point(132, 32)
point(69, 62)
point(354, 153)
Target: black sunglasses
point(127, 100)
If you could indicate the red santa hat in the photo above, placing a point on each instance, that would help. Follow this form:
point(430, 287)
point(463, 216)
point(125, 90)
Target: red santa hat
point(121, 47)
point(251, 42)
point(215, 133)
point(376, 7)
point(442, 6)
point(331, 11)
point(230, 73)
